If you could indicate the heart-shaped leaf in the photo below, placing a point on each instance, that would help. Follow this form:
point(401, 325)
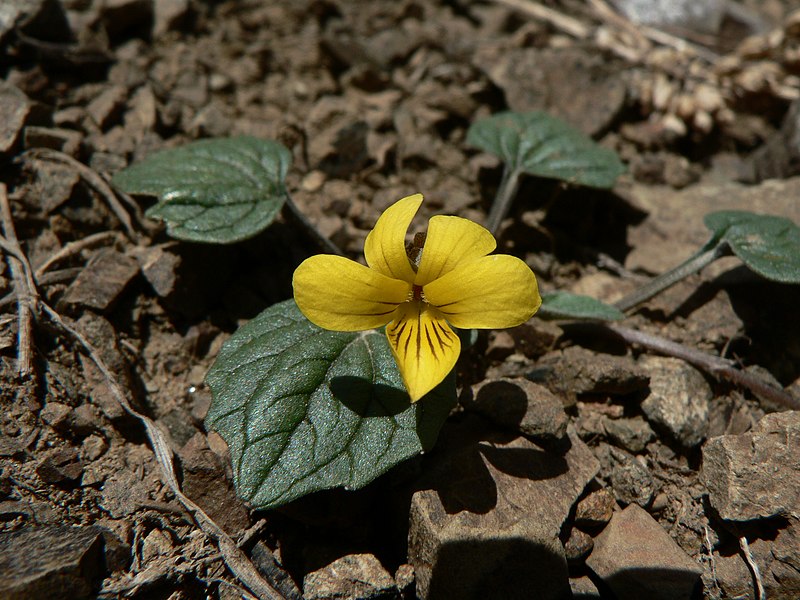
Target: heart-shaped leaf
point(564, 305)
point(539, 144)
point(219, 191)
point(304, 409)
point(767, 244)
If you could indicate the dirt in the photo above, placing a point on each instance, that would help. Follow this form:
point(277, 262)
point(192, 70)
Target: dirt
point(373, 99)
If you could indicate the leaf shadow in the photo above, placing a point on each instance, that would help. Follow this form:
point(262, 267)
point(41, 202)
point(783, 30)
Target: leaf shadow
point(368, 399)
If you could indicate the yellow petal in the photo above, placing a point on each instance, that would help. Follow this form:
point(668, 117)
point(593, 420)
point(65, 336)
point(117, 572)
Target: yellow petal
point(424, 346)
point(385, 247)
point(451, 241)
point(336, 293)
point(488, 293)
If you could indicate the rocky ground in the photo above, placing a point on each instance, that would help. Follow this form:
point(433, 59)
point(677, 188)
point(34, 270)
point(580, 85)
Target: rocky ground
point(575, 463)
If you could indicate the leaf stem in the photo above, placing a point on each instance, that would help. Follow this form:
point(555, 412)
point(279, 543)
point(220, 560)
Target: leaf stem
point(298, 216)
point(509, 185)
point(658, 284)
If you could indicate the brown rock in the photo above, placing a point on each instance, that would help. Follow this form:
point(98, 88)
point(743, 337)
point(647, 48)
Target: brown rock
point(59, 466)
point(500, 345)
point(102, 281)
point(107, 107)
point(204, 482)
point(536, 337)
point(53, 562)
point(55, 414)
point(518, 404)
point(631, 434)
point(678, 400)
point(637, 559)
point(756, 474)
point(489, 526)
point(169, 15)
point(576, 370)
point(352, 577)
point(67, 141)
point(578, 546)
point(596, 509)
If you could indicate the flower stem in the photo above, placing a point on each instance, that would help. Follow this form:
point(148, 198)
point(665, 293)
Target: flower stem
point(301, 219)
point(509, 185)
point(658, 284)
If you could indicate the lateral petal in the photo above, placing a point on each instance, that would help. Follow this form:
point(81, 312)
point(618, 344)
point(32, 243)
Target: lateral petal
point(337, 293)
point(385, 246)
point(492, 292)
point(451, 241)
point(425, 347)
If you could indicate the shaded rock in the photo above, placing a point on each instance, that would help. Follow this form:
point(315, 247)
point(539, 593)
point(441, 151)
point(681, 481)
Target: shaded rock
point(629, 434)
point(583, 588)
point(520, 405)
point(488, 526)
point(678, 400)
point(169, 15)
point(14, 109)
point(67, 141)
point(204, 481)
point(576, 370)
point(596, 509)
point(102, 281)
point(266, 562)
point(55, 414)
point(546, 79)
point(352, 577)
point(59, 466)
point(404, 579)
point(631, 480)
point(536, 337)
point(107, 107)
point(51, 562)
point(637, 559)
point(500, 346)
point(741, 471)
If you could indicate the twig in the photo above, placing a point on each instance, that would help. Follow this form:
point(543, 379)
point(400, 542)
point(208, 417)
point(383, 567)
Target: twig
point(235, 558)
point(761, 593)
point(24, 286)
point(73, 248)
point(719, 367)
point(558, 20)
point(92, 178)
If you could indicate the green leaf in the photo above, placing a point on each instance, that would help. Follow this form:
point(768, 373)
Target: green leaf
point(541, 145)
point(767, 244)
point(304, 409)
point(564, 305)
point(219, 191)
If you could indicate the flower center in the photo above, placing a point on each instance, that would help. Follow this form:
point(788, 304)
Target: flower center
point(417, 291)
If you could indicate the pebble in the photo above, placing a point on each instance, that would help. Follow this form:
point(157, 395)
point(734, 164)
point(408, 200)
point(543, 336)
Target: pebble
point(355, 577)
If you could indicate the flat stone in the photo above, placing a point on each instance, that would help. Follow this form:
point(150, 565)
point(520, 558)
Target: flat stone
point(546, 80)
point(487, 525)
point(637, 559)
point(520, 405)
point(536, 337)
point(60, 466)
point(107, 107)
point(679, 399)
point(102, 281)
point(352, 577)
point(583, 588)
point(14, 109)
point(53, 562)
point(756, 474)
point(67, 141)
point(55, 414)
point(631, 480)
point(576, 370)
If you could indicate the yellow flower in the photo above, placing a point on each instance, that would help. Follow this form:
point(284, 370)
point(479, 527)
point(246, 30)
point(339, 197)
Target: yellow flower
point(454, 283)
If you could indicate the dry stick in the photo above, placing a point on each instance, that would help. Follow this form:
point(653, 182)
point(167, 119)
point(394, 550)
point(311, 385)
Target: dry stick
point(558, 20)
point(761, 593)
point(235, 558)
point(24, 286)
point(92, 178)
point(714, 365)
point(73, 248)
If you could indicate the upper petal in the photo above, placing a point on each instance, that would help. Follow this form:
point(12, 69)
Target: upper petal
point(451, 241)
point(337, 293)
point(424, 346)
point(489, 293)
point(385, 247)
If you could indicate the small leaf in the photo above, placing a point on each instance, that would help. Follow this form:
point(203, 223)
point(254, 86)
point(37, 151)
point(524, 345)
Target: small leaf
point(564, 305)
point(767, 244)
point(219, 191)
point(541, 145)
point(304, 409)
